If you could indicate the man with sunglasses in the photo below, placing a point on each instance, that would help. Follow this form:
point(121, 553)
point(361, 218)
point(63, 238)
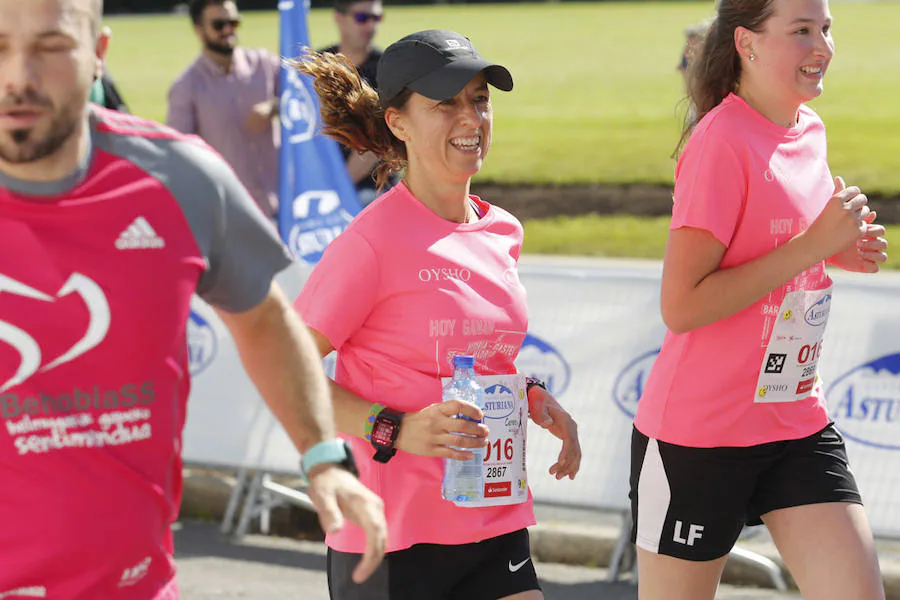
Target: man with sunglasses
point(357, 24)
point(229, 97)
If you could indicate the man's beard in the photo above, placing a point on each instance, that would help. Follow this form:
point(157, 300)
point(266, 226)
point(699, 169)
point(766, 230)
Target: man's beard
point(223, 49)
point(24, 147)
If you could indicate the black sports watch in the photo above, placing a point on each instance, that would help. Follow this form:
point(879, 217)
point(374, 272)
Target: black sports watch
point(530, 382)
point(384, 434)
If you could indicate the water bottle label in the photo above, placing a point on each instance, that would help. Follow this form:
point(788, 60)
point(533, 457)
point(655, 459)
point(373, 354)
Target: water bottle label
point(506, 415)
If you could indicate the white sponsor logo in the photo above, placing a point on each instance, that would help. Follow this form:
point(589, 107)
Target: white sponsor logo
point(515, 567)
point(444, 274)
point(35, 591)
point(134, 574)
point(139, 236)
point(27, 346)
point(454, 45)
point(695, 532)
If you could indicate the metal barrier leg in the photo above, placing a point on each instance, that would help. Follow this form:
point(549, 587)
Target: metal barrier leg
point(623, 545)
point(234, 500)
point(288, 494)
point(249, 505)
point(769, 566)
point(265, 506)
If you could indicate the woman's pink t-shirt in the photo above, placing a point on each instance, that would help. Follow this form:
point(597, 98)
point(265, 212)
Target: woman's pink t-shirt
point(398, 294)
point(754, 185)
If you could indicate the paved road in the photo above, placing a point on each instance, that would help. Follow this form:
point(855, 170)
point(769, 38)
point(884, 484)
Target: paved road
point(263, 568)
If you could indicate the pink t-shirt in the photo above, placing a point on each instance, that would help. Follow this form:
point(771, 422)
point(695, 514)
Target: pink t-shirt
point(398, 294)
point(97, 271)
point(753, 185)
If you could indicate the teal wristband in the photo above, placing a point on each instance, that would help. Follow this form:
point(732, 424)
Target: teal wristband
point(330, 451)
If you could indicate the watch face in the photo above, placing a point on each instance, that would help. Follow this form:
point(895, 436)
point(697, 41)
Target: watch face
point(383, 432)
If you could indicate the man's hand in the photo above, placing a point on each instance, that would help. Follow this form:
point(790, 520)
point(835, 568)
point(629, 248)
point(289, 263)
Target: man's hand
point(260, 117)
point(337, 495)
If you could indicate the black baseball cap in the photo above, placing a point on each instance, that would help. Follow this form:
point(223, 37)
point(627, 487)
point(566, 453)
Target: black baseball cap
point(436, 63)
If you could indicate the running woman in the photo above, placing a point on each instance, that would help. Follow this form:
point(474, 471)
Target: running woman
point(732, 428)
point(424, 273)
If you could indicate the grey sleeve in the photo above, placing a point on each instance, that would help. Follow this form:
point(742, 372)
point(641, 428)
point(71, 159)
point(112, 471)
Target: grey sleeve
point(242, 250)
point(241, 246)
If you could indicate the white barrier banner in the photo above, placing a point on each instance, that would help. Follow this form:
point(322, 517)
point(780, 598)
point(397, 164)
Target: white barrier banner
point(594, 333)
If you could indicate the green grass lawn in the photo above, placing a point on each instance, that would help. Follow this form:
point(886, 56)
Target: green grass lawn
point(597, 93)
point(624, 236)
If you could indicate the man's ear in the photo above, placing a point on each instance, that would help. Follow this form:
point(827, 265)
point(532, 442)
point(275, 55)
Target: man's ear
point(100, 49)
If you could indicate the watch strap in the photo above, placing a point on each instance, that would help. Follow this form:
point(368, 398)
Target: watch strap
point(370, 420)
point(328, 451)
point(530, 382)
point(385, 452)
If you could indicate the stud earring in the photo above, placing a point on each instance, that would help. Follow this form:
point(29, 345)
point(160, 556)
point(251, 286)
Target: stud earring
point(752, 57)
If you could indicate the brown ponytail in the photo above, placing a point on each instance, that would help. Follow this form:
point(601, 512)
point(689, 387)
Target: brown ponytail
point(351, 111)
point(715, 70)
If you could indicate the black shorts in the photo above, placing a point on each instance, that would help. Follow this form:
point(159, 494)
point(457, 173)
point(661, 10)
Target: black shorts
point(692, 503)
point(486, 570)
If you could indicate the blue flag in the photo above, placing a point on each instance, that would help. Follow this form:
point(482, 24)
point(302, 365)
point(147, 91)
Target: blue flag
point(316, 197)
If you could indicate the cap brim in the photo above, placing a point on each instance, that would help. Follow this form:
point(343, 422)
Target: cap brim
point(447, 81)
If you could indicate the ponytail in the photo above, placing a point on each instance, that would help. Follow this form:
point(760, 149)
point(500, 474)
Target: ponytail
point(351, 111)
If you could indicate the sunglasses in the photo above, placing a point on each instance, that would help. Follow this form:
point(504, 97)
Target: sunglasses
point(219, 24)
point(363, 17)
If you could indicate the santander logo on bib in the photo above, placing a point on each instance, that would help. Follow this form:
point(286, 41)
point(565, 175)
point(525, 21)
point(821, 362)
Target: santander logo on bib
point(32, 359)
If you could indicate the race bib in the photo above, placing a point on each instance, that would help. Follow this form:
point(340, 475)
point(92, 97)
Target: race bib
point(506, 416)
point(790, 364)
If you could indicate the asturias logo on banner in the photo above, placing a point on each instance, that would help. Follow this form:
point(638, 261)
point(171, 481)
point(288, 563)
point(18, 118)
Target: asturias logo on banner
point(319, 217)
point(817, 314)
point(498, 402)
point(202, 343)
point(298, 112)
point(629, 385)
point(538, 358)
point(865, 402)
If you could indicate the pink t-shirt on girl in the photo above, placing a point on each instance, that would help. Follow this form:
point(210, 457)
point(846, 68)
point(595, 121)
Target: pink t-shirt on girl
point(398, 294)
point(754, 185)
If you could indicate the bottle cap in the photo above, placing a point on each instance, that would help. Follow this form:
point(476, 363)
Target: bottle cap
point(463, 361)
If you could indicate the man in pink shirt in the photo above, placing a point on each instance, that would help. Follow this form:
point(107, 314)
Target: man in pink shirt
point(108, 225)
point(229, 97)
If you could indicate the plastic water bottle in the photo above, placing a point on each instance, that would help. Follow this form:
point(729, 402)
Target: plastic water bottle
point(464, 479)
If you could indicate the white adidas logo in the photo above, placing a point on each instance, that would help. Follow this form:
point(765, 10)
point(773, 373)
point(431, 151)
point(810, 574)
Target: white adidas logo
point(138, 236)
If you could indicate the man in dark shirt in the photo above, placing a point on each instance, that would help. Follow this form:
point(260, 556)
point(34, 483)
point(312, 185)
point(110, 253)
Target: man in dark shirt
point(357, 23)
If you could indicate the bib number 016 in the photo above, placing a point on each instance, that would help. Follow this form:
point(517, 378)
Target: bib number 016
point(500, 450)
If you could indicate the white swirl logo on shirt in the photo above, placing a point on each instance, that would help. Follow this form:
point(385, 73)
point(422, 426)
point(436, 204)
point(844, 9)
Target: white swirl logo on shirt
point(629, 385)
point(202, 343)
point(541, 360)
point(817, 314)
point(298, 112)
point(865, 403)
point(28, 348)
